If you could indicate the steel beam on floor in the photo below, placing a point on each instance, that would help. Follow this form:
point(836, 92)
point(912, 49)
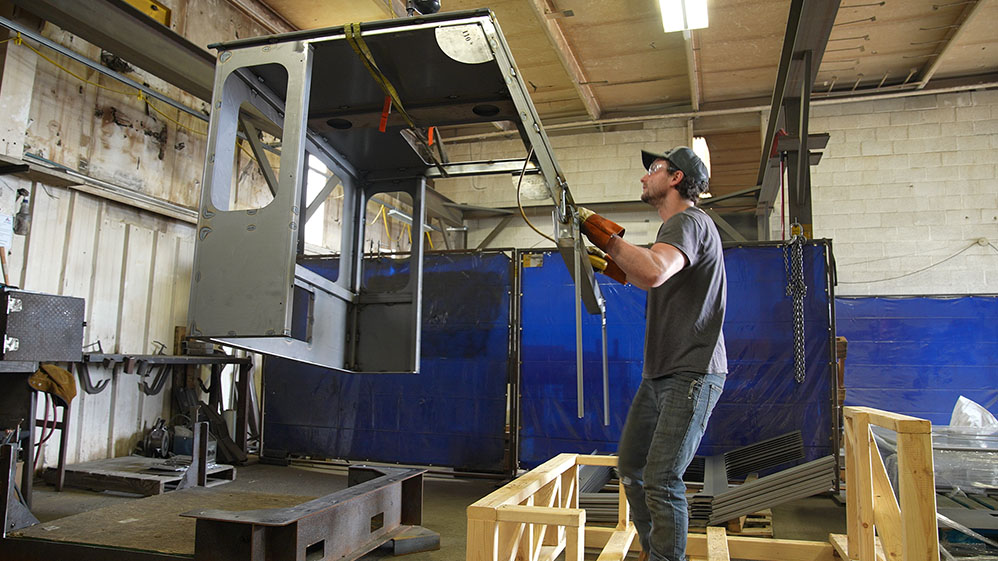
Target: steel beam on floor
point(344, 525)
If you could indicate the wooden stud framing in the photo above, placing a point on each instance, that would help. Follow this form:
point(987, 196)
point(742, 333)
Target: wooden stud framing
point(906, 525)
point(537, 516)
point(717, 544)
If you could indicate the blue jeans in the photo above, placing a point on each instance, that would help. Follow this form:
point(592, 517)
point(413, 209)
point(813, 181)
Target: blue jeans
point(664, 426)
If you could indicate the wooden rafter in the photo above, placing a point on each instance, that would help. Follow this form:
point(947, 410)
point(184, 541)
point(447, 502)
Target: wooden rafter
point(567, 56)
point(391, 8)
point(263, 15)
point(951, 38)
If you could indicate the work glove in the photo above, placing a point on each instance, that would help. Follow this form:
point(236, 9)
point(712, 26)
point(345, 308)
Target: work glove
point(605, 264)
point(598, 229)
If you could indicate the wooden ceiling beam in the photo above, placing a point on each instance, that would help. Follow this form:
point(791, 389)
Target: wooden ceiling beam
point(263, 15)
point(568, 59)
point(950, 40)
point(391, 8)
point(689, 40)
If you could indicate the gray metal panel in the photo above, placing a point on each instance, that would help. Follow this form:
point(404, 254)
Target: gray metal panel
point(387, 335)
point(246, 259)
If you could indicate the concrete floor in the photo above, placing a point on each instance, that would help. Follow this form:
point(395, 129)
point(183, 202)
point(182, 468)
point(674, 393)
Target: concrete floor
point(444, 502)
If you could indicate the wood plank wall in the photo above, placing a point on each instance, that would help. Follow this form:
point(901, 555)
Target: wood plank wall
point(132, 266)
point(134, 271)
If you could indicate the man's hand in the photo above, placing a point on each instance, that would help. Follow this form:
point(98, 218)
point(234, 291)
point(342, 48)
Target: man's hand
point(599, 230)
point(603, 263)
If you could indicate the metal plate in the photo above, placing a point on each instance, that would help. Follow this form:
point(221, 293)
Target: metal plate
point(42, 327)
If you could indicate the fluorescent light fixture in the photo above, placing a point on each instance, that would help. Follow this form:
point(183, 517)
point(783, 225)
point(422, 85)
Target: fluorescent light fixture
point(678, 15)
point(700, 149)
point(399, 215)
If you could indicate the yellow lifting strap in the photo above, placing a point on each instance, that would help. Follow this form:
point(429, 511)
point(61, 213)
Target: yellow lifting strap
point(353, 36)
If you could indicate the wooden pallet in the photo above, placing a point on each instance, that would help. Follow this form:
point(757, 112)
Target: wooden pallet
point(133, 474)
point(758, 524)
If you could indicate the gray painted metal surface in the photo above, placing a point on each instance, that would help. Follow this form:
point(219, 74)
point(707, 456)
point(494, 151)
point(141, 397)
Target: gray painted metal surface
point(248, 289)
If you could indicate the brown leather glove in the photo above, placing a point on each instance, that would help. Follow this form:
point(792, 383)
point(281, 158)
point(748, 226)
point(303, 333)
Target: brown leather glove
point(598, 229)
point(605, 264)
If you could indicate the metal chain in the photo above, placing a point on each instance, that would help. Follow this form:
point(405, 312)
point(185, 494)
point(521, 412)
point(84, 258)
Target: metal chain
point(793, 265)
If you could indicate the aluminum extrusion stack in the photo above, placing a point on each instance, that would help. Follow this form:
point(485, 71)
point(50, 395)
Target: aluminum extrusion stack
point(808, 479)
point(715, 498)
point(764, 455)
point(600, 507)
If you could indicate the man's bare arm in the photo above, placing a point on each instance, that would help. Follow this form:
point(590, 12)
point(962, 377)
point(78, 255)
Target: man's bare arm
point(646, 267)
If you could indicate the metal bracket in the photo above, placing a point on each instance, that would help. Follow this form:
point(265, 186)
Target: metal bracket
point(162, 375)
point(83, 373)
point(197, 473)
point(10, 343)
point(14, 515)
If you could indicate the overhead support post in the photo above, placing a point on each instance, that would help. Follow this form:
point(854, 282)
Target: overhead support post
point(798, 161)
point(808, 27)
point(495, 231)
point(124, 30)
point(724, 225)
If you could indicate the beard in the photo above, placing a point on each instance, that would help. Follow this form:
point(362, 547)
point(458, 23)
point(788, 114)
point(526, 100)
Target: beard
point(650, 198)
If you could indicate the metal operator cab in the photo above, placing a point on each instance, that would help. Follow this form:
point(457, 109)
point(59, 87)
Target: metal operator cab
point(322, 93)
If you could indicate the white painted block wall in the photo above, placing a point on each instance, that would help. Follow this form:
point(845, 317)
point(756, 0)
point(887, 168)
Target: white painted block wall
point(599, 168)
point(907, 189)
point(904, 184)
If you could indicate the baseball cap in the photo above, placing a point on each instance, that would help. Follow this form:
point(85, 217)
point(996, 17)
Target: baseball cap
point(683, 158)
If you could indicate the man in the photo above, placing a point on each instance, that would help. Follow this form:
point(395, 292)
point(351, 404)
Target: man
point(684, 363)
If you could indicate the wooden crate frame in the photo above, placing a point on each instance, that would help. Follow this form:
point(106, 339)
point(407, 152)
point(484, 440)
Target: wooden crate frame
point(537, 516)
point(881, 526)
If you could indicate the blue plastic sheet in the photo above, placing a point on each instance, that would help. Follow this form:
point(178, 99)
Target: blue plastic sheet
point(453, 413)
point(761, 398)
point(917, 355)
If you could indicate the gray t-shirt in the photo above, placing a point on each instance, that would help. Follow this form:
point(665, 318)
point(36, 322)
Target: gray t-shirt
point(686, 312)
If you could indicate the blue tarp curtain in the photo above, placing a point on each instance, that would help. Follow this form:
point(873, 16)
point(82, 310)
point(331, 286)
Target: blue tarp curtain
point(917, 355)
point(453, 413)
point(761, 399)
point(910, 355)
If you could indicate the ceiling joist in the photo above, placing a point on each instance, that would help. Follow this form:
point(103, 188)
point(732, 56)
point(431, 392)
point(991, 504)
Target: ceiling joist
point(951, 38)
point(568, 59)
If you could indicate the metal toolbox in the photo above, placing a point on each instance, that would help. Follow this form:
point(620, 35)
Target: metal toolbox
point(41, 327)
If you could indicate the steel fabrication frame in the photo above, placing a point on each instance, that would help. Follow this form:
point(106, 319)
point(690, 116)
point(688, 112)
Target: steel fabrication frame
point(380, 505)
point(312, 87)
